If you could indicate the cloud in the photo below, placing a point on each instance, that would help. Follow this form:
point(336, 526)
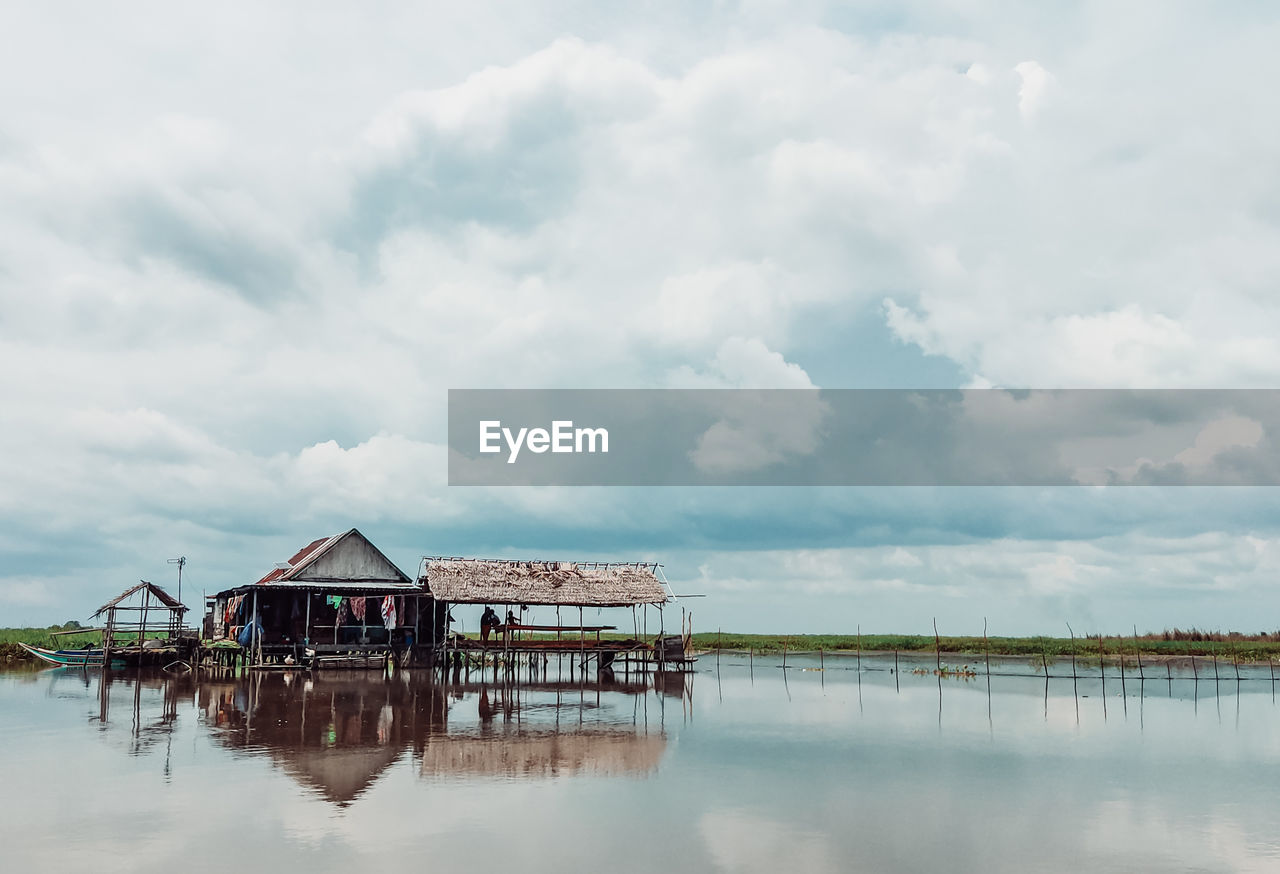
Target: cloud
point(1036, 84)
point(232, 296)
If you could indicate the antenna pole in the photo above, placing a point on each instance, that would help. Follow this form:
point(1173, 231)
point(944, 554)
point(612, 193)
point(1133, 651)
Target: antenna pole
point(179, 561)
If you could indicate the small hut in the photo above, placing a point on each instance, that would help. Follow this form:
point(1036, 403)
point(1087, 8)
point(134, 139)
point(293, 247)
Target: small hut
point(561, 584)
point(336, 595)
point(134, 613)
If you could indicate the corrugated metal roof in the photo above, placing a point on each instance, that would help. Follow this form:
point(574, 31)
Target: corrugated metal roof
point(303, 557)
point(310, 553)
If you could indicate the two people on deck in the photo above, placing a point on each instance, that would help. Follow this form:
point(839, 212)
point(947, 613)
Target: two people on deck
point(490, 622)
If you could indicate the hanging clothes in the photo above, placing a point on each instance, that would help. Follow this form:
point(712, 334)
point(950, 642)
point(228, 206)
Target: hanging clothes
point(343, 610)
point(389, 611)
point(358, 606)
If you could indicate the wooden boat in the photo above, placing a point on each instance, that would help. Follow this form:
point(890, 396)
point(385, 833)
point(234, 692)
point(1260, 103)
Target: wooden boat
point(66, 657)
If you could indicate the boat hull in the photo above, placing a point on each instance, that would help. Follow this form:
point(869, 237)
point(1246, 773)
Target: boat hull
point(66, 657)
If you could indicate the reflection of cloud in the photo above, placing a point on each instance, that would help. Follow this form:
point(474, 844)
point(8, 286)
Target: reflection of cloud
point(740, 841)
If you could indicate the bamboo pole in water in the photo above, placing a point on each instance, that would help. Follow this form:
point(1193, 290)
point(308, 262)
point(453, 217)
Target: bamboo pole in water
point(986, 649)
point(1137, 651)
point(1120, 646)
point(937, 646)
point(142, 632)
point(1073, 650)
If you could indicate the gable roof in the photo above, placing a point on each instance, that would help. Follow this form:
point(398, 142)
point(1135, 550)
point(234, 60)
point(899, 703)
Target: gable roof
point(160, 594)
point(322, 561)
point(555, 583)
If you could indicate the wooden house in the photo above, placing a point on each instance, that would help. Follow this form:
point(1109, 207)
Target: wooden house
point(337, 594)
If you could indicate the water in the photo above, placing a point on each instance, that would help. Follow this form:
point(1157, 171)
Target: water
point(743, 769)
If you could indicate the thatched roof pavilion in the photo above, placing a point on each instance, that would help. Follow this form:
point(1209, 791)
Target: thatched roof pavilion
point(549, 583)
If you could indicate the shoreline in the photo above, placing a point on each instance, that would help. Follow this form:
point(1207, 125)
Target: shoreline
point(1226, 648)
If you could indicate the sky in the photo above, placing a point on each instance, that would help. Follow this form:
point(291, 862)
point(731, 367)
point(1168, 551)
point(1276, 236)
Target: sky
point(246, 250)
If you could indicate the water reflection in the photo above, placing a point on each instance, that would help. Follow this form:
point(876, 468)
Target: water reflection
point(835, 765)
point(336, 733)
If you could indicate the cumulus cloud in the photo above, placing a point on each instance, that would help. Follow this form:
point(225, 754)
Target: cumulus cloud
point(232, 297)
point(1032, 93)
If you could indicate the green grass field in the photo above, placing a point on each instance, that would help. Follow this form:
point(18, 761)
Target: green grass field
point(11, 637)
point(1226, 647)
point(1251, 648)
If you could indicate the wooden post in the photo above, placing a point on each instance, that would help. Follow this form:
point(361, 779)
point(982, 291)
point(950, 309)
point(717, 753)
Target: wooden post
point(895, 656)
point(582, 643)
point(306, 623)
point(257, 629)
point(1073, 650)
point(108, 638)
point(784, 655)
point(1123, 692)
point(717, 649)
point(937, 646)
point(1102, 662)
point(986, 650)
point(1137, 651)
point(142, 630)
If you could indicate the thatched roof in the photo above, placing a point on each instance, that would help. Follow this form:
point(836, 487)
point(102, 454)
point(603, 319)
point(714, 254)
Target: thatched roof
point(165, 599)
point(554, 583)
point(544, 754)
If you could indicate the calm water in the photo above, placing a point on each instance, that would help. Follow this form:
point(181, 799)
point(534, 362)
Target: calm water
point(743, 769)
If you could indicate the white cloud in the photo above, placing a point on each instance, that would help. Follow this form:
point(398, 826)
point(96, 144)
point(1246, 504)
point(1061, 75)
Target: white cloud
point(1036, 84)
point(232, 296)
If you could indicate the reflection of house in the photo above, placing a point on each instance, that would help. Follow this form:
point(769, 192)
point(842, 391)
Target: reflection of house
point(336, 734)
point(336, 594)
point(604, 752)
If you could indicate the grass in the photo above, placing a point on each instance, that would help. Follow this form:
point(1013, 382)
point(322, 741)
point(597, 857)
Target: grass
point(1226, 646)
point(43, 637)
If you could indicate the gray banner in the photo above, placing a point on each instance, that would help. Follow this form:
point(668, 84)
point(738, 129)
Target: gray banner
point(861, 437)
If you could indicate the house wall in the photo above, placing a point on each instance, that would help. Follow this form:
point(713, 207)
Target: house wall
point(352, 559)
